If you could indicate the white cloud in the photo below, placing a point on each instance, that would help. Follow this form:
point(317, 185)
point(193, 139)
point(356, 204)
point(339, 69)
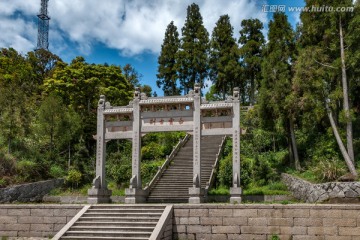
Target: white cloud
point(131, 26)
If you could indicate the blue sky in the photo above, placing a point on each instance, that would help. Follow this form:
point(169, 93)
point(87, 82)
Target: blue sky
point(119, 31)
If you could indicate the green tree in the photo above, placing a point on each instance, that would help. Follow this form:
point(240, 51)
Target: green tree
point(43, 63)
point(17, 85)
point(50, 124)
point(80, 84)
point(252, 42)
point(275, 91)
point(131, 75)
point(325, 38)
point(224, 56)
point(167, 70)
point(192, 59)
point(146, 89)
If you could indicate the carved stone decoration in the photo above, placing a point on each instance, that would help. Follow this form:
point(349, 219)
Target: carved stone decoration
point(235, 190)
point(143, 96)
point(196, 192)
point(96, 183)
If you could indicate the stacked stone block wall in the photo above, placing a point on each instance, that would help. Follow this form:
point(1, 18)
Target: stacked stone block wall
point(295, 222)
point(207, 221)
point(321, 192)
point(30, 192)
point(35, 220)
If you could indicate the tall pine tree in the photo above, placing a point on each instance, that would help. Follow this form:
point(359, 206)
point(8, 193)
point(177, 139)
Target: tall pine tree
point(325, 38)
point(193, 57)
point(276, 84)
point(224, 56)
point(252, 41)
point(167, 72)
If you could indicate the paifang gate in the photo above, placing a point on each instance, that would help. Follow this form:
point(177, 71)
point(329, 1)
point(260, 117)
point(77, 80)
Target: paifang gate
point(144, 114)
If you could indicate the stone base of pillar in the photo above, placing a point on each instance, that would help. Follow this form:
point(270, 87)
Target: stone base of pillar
point(134, 195)
point(96, 195)
point(196, 195)
point(235, 195)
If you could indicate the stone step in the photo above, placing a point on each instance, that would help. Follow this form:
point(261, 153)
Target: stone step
point(176, 180)
point(117, 219)
point(109, 210)
point(108, 234)
point(101, 238)
point(174, 187)
point(131, 214)
point(127, 207)
point(111, 228)
point(169, 197)
point(124, 223)
point(108, 221)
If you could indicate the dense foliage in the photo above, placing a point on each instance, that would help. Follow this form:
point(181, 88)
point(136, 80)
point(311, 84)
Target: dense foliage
point(303, 85)
point(48, 115)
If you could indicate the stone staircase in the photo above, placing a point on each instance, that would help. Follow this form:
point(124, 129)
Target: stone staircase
point(173, 186)
point(131, 222)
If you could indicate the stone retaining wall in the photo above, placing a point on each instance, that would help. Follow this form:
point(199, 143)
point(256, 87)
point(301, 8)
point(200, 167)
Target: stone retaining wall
point(208, 221)
point(30, 192)
point(35, 220)
point(261, 222)
point(311, 193)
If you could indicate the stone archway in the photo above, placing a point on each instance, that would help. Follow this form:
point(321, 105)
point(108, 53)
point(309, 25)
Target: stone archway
point(145, 114)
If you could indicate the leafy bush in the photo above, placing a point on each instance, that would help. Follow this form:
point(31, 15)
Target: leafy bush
point(73, 177)
point(8, 164)
point(149, 169)
point(57, 171)
point(120, 172)
point(3, 182)
point(28, 171)
point(225, 171)
point(152, 151)
point(329, 170)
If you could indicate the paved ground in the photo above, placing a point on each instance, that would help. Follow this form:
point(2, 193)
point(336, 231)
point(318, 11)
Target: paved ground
point(25, 238)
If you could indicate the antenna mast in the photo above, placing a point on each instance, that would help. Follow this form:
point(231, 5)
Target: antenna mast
point(43, 26)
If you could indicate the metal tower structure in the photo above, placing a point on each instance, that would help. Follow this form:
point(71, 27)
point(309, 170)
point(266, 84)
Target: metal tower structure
point(43, 26)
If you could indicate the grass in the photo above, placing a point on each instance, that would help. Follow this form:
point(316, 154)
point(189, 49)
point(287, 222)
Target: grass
point(116, 191)
point(307, 175)
point(276, 188)
point(222, 190)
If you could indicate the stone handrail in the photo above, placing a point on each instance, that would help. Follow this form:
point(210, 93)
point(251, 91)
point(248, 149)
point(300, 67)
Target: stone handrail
point(218, 156)
point(164, 221)
point(169, 158)
point(70, 223)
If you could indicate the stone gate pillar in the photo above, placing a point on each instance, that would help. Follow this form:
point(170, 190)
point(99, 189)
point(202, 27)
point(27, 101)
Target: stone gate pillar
point(135, 194)
point(196, 192)
point(99, 192)
point(235, 190)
